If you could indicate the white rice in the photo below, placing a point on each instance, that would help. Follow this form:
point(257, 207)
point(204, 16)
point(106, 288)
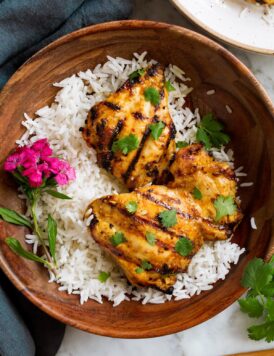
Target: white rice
point(228, 109)
point(246, 184)
point(210, 92)
point(80, 259)
point(253, 223)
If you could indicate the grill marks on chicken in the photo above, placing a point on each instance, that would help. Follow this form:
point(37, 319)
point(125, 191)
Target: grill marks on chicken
point(127, 112)
point(194, 168)
point(111, 216)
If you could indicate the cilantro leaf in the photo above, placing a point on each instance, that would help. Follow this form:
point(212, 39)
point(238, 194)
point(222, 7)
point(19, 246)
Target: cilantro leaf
point(197, 193)
point(184, 246)
point(224, 206)
point(262, 331)
point(117, 238)
point(181, 144)
point(210, 132)
point(270, 309)
point(157, 129)
point(257, 275)
point(169, 87)
point(132, 207)
point(168, 218)
point(136, 74)
point(146, 265)
point(268, 290)
point(151, 94)
point(126, 144)
point(139, 270)
point(150, 238)
point(251, 306)
point(103, 276)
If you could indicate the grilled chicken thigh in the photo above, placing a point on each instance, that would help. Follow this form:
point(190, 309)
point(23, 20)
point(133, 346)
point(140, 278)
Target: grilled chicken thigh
point(194, 169)
point(152, 233)
point(119, 129)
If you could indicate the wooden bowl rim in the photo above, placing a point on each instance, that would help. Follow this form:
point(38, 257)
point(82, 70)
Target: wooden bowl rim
point(130, 25)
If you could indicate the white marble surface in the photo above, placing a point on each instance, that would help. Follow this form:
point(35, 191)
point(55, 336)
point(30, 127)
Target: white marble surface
point(223, 334)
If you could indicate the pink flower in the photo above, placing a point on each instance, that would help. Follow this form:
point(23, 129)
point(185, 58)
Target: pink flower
point(13, 161)
point(37, 165)
point(53, 164)
point(34, 175)
point(66, 173)
point(29, 157)
point(42, 148)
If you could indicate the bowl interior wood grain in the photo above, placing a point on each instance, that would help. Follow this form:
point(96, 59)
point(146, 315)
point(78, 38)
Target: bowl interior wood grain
point(251, 126)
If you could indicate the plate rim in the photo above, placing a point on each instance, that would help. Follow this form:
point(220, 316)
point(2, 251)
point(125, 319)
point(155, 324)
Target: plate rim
point(126, 24)
point(253, 49)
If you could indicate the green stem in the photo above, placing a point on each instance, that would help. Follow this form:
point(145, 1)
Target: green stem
point(38, 231)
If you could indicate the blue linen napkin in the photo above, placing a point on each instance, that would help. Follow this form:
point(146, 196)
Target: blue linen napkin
point(25, 27)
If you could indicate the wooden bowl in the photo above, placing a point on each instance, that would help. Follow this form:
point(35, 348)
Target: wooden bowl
point(251, 126)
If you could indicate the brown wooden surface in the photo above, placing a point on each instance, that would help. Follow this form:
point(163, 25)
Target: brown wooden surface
point(251, 126)
point(256, 353)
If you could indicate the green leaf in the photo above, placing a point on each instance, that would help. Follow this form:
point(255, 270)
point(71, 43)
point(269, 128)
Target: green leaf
point(210, 132)
point(17, 248)
point(146, 265)
point(197, 193)
point(184, 246)
point(117, 238)
point(168, 218)
point(157, 129)
point(103, 276)
point(252, 307)
point(169, 87)
point(270, 309)
point(52, 234)
point(224, 206)
point(139, 270)
point(56, 194)
point(268, 290)
point(150, 238)
point(132, 207)
point(203, 137)
point(262, 331)
point(271, 259)
point(257, 275)
point(13, 217)
point(136, 74)
point(126, 144)
point(181, 144)
point(151, 94)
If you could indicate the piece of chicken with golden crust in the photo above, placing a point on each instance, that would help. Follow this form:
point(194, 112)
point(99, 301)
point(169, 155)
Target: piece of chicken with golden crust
point(152, 233)
point(132, 130)
point(212, 183)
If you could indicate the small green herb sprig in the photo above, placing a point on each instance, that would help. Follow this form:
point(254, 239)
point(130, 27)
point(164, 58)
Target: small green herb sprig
point(258, 277)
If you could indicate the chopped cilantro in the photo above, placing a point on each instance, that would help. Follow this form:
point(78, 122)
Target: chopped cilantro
point(210, 132)
point(117, 238)
point(168, 218)
point(136, 74)
point(151, 94)
point(103, 276)
point(126, 144)
point(181, 144)
point(224, 206)
point(150, 238)
point(139, 270)
point(132, 207)
point(184, 246)
point(197, 193)
point(157, 129)
point(146, 265)
point(169, 86)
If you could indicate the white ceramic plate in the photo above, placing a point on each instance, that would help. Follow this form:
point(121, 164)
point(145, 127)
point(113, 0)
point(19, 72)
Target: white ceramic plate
point(236, 22)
